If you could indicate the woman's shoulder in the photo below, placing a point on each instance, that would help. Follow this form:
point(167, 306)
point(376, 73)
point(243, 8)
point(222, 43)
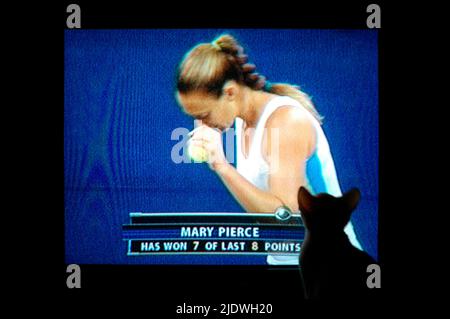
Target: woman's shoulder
point(289, 116)
point(294, 126)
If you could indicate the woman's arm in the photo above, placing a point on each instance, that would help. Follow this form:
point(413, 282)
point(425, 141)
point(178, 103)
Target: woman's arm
point(251, 198)
point(288, 142)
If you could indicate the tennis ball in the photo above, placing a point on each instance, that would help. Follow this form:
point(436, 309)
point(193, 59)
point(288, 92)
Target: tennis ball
point(197, 154)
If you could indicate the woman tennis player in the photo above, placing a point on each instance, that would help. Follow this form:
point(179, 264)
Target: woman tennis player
point(280, 143)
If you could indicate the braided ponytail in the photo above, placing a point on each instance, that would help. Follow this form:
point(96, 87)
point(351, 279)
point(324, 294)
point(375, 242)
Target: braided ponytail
point(209, 65)
point(230, 46)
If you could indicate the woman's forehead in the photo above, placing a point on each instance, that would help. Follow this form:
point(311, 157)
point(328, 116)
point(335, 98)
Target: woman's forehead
point(196, 103)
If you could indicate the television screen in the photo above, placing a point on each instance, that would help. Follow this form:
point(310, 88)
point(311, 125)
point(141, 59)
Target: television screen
point(137, 191)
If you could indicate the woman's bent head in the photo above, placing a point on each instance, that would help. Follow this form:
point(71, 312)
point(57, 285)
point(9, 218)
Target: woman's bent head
point(212, 77)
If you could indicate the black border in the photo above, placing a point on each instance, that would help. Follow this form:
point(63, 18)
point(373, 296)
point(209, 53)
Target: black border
point(188, 282)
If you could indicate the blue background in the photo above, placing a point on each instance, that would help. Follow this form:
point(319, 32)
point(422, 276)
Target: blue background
point(120, 112)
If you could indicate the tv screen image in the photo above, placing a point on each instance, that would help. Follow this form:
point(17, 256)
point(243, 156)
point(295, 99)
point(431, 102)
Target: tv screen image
point(133, 192)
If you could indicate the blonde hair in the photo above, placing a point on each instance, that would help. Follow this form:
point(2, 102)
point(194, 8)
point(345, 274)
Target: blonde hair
point(208, 66)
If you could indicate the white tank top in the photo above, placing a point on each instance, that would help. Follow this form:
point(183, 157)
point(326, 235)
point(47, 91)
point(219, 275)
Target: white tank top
point(321, 174)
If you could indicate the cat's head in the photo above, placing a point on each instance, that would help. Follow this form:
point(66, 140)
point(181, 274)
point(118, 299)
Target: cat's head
point(324, 212)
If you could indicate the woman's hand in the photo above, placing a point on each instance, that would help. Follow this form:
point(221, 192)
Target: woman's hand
point(211, 140)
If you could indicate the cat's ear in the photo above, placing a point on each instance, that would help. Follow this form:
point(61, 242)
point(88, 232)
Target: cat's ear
point(305, 199)
point(351, 199)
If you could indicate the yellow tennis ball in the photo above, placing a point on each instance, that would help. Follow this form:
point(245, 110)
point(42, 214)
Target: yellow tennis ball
point(197, 153)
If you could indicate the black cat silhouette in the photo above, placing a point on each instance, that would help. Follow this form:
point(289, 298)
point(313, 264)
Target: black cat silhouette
point(330, 266)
